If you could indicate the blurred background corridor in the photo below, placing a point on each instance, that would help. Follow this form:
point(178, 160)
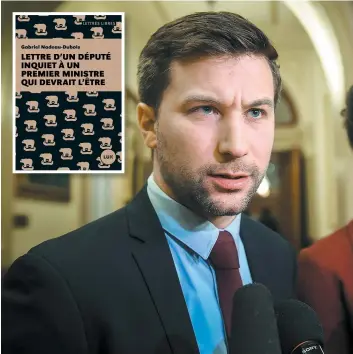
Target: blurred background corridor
point(308, 190)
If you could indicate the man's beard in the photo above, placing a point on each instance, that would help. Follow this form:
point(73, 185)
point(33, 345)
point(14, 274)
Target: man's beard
point(188, 186)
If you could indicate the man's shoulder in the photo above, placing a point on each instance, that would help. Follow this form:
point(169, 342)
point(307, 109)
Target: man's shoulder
point(97, 235)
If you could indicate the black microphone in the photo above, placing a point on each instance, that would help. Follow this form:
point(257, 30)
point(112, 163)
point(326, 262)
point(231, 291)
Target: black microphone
point(254, 327)
point(299, 328)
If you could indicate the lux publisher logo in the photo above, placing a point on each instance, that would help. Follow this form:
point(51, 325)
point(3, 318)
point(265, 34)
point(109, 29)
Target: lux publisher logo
point(309, 349)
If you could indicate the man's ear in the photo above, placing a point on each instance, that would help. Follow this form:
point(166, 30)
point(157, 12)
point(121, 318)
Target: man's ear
point(146, 120)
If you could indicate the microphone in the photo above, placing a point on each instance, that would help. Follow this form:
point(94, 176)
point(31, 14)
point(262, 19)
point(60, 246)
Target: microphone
point(299, 328)
point(254, 327)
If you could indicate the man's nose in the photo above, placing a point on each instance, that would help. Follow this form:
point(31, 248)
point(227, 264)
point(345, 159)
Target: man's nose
point(233, 139)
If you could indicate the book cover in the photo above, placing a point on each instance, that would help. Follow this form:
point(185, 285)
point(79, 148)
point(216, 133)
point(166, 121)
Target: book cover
point(68, 94)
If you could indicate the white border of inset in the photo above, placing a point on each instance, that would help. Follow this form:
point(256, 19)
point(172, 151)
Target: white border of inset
point(123, 93)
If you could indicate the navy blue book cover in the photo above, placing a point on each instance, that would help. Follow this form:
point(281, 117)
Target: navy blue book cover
point(68, 92)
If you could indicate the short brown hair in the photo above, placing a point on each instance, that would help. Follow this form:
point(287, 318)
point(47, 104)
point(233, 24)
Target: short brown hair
point(201, 34)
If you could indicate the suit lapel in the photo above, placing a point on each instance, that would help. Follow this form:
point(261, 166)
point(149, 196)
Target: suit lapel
point(255, 250)
point(152, 254)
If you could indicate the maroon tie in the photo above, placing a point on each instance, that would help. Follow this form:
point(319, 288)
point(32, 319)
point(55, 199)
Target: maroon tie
point(224, 257)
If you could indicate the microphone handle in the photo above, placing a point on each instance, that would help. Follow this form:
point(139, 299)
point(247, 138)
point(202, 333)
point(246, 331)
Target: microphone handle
point(308, 347)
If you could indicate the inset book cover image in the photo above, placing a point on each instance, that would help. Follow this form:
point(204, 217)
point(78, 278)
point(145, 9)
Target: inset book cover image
point(68, 99)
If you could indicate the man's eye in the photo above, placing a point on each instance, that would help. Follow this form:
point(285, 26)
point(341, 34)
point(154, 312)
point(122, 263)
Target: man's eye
point(207, 110)
point(256, 113)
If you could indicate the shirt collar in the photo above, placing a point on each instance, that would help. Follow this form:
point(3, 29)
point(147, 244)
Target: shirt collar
point(195, 232)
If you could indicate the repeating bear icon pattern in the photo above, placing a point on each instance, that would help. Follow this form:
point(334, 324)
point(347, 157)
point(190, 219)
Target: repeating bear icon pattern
point(60, 131)
point(68, 26)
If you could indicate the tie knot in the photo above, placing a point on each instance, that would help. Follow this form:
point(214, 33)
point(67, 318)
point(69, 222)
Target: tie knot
point(224, 254)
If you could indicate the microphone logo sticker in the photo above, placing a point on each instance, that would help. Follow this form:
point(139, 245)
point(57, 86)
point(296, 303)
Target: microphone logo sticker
point(305, 350)
point(310, 348)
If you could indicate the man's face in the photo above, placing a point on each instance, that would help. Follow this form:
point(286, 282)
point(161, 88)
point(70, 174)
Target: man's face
point(214, 133)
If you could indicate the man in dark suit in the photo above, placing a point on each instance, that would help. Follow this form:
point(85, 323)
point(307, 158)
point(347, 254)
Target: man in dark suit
point(158, 275)
point(327, 268)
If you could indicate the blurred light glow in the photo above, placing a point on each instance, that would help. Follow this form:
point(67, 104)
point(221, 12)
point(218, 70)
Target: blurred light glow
point(264, 188)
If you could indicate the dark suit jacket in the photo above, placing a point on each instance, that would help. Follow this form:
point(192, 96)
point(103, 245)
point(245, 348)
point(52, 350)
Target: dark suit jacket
point(111, 287)
point(325, 282)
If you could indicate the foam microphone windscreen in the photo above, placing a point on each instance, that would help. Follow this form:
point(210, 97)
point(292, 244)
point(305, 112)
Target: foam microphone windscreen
point(299, 328)
point(254, 326)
